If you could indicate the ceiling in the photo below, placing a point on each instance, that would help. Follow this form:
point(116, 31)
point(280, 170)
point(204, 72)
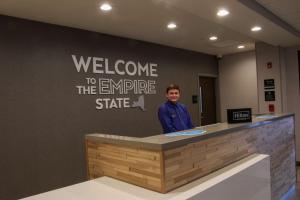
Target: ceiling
point(289, 11)
point(146, 20)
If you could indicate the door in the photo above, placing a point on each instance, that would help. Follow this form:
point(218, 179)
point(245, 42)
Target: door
point(207, 101)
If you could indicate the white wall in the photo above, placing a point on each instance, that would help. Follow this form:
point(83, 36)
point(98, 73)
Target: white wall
point(267, 53)
point(241, 82)
point(292, 90)
point(285, 71)
point(238, 82)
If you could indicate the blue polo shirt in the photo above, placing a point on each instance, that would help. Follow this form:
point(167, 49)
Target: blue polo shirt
point(174, 117)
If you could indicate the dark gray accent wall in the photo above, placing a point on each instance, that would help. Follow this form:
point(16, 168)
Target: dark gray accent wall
point(44, 119)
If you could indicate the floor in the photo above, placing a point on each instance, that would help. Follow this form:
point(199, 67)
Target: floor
point(294, 193)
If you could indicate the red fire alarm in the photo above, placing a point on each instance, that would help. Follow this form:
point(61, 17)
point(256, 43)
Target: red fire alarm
point(269, 65)
point(271, 108)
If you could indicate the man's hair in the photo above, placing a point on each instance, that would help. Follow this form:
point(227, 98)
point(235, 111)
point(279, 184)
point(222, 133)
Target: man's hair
point(172, 87)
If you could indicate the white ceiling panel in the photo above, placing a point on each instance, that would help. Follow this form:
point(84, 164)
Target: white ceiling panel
point(146, 20)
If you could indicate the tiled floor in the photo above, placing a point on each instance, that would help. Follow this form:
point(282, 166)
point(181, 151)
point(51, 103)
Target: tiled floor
point(294, 193)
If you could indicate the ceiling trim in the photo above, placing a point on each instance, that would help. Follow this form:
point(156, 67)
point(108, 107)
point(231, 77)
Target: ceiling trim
point(258, 8)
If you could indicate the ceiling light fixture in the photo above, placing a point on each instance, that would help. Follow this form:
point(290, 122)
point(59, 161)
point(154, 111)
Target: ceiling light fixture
point(212, 38)
point(222, 12)
point(172, 25)
point(241, 47)
point(256, 28)
point(105, 7)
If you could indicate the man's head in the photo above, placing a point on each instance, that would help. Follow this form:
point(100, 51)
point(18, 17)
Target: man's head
point(173, 93)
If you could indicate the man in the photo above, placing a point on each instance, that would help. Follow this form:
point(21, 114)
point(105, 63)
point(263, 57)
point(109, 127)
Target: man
point(173, 115)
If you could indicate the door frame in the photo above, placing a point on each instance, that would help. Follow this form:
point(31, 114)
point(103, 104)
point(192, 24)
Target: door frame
point(216, 95)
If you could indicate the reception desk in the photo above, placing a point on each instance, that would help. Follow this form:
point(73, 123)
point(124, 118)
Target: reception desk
point(167, 161)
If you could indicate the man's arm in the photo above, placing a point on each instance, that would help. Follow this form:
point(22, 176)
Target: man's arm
point(165, 120)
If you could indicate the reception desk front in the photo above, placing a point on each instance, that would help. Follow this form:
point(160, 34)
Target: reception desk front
point(167, 161)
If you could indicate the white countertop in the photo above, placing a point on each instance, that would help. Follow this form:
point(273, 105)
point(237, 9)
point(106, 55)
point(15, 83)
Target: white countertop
point(222, 180)
point(164, 141)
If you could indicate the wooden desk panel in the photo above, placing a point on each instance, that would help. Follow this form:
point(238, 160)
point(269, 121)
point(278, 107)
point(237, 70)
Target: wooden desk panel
point(165, 170)
point(136, 166)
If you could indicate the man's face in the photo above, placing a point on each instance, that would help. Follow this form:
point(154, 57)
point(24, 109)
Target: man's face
point(173, 95)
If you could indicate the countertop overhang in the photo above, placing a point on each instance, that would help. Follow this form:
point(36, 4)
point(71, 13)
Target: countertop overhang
point(165, 141)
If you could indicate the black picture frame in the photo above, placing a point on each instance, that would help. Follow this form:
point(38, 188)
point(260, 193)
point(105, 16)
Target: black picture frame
point(269, 84)
point(270, 95)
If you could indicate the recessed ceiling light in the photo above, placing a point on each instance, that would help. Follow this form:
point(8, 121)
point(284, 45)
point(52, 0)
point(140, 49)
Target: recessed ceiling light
point(212, 38)
point(256, 28)
point(241, 47)
point(172, 25)
point(222, 12)
point(105, 7)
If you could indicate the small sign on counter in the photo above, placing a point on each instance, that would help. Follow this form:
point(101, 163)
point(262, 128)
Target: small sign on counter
point(240, 115)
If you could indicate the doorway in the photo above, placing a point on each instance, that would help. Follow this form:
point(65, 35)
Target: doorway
point(207, 100)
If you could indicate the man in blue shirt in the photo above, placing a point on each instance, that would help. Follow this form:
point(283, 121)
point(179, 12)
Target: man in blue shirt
point(173, 115)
